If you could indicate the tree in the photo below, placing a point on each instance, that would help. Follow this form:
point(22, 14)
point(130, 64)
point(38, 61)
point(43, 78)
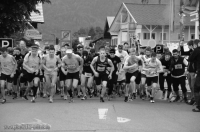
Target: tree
point(15, 14)
point(91, 32)
point(75, 42)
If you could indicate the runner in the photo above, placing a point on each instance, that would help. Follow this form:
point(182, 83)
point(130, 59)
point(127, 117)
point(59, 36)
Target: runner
point(22, 78)
point(121, 81)
point(177, 68)
point(32, 66)
point(145, 58)
point(117, 64)
point(101, 78)
point(74, 64)
point(19, 59)
point(120, 52)
point(87, 75)
point(8, 68)
point(62, 77)
point(153, 67)
point(195, 58)
point(51, 64)
point(132, 65)
point(165, 75)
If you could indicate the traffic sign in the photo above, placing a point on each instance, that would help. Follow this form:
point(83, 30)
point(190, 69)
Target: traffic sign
point(66, 35)
point(33, 33)
point(6, 42)
point(159, 48)
point(152, 43)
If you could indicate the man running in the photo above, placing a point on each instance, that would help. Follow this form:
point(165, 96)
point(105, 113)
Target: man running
point(32, 66)
point(117, 64)
point(62, 76)
point(166, 62)
point(74, 65)
point(101, 77)
point(153, 67)
point(178, 70)
point(132, 66)
point(87, 75)
point(51, 63)
point(145, 58)
point(19, 59)
point(8, 67)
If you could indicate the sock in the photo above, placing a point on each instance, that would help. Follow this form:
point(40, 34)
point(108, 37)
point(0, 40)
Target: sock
point(70, 93)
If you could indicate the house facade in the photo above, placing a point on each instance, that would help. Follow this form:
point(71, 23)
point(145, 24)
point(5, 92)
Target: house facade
point(151, 24)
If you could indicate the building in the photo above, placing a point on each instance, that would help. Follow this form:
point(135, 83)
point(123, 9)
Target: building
point(107, 37)
point(149, 23)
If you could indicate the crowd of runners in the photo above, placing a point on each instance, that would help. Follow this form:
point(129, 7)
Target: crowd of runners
point(85, 73)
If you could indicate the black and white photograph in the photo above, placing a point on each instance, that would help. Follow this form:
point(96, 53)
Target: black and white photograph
point(99, 66)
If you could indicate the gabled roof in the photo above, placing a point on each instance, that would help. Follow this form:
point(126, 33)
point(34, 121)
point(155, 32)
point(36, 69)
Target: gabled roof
point(110, 19)
point(154, 14)
point(36, 17)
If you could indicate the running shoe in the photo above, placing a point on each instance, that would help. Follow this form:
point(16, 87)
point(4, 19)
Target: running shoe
point(44, 95)
point(33, 100)
point(3, 101)
point(14, 95)
point(65, 97)
point(126, 99)
point(25, 97)
point(101, 99)
point(51, 100)
point(84, 98)
point(177, 99)
point(71, 100)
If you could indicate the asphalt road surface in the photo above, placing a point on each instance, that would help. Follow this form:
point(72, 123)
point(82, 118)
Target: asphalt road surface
point(92, 116)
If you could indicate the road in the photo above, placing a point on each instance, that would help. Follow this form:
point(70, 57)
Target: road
point(92, 116)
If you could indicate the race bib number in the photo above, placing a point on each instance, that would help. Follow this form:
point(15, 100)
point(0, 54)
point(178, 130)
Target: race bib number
point(34, 67)
point(101, 68)
point(88, 74)
point(71, 66)
point(179, 66)
point(52, 67)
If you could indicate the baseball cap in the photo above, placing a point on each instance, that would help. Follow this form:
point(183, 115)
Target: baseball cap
point(120, 46)
point(35, 46)
point(112, 51)
point(92, 50)
point(69, 51)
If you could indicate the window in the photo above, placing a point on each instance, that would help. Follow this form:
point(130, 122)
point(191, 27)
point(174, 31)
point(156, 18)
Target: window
point(114, 42)
point(147, 36)
point(192, 36)
point(164, 36)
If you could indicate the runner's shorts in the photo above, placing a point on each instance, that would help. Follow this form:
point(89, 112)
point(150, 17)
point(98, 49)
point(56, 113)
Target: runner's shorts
point(73, 76)
point(31, 76)
point(129, 75)
point(6, 78)
point(102, 77)
point(151, 80)
point(62, 76)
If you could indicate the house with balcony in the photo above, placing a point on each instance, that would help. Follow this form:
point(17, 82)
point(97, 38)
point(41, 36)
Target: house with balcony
point(151, 24)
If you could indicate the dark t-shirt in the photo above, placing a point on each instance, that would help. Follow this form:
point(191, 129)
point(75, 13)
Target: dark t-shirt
point(116, 60)
point(166, 63)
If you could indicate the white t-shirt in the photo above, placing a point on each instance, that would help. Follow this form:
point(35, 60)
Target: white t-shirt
point(123, 53)
point(144, 60)
point(153, 66)
point(122, 74)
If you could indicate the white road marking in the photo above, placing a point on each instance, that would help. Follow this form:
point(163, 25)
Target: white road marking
point(102, 113)
point(122, 120)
